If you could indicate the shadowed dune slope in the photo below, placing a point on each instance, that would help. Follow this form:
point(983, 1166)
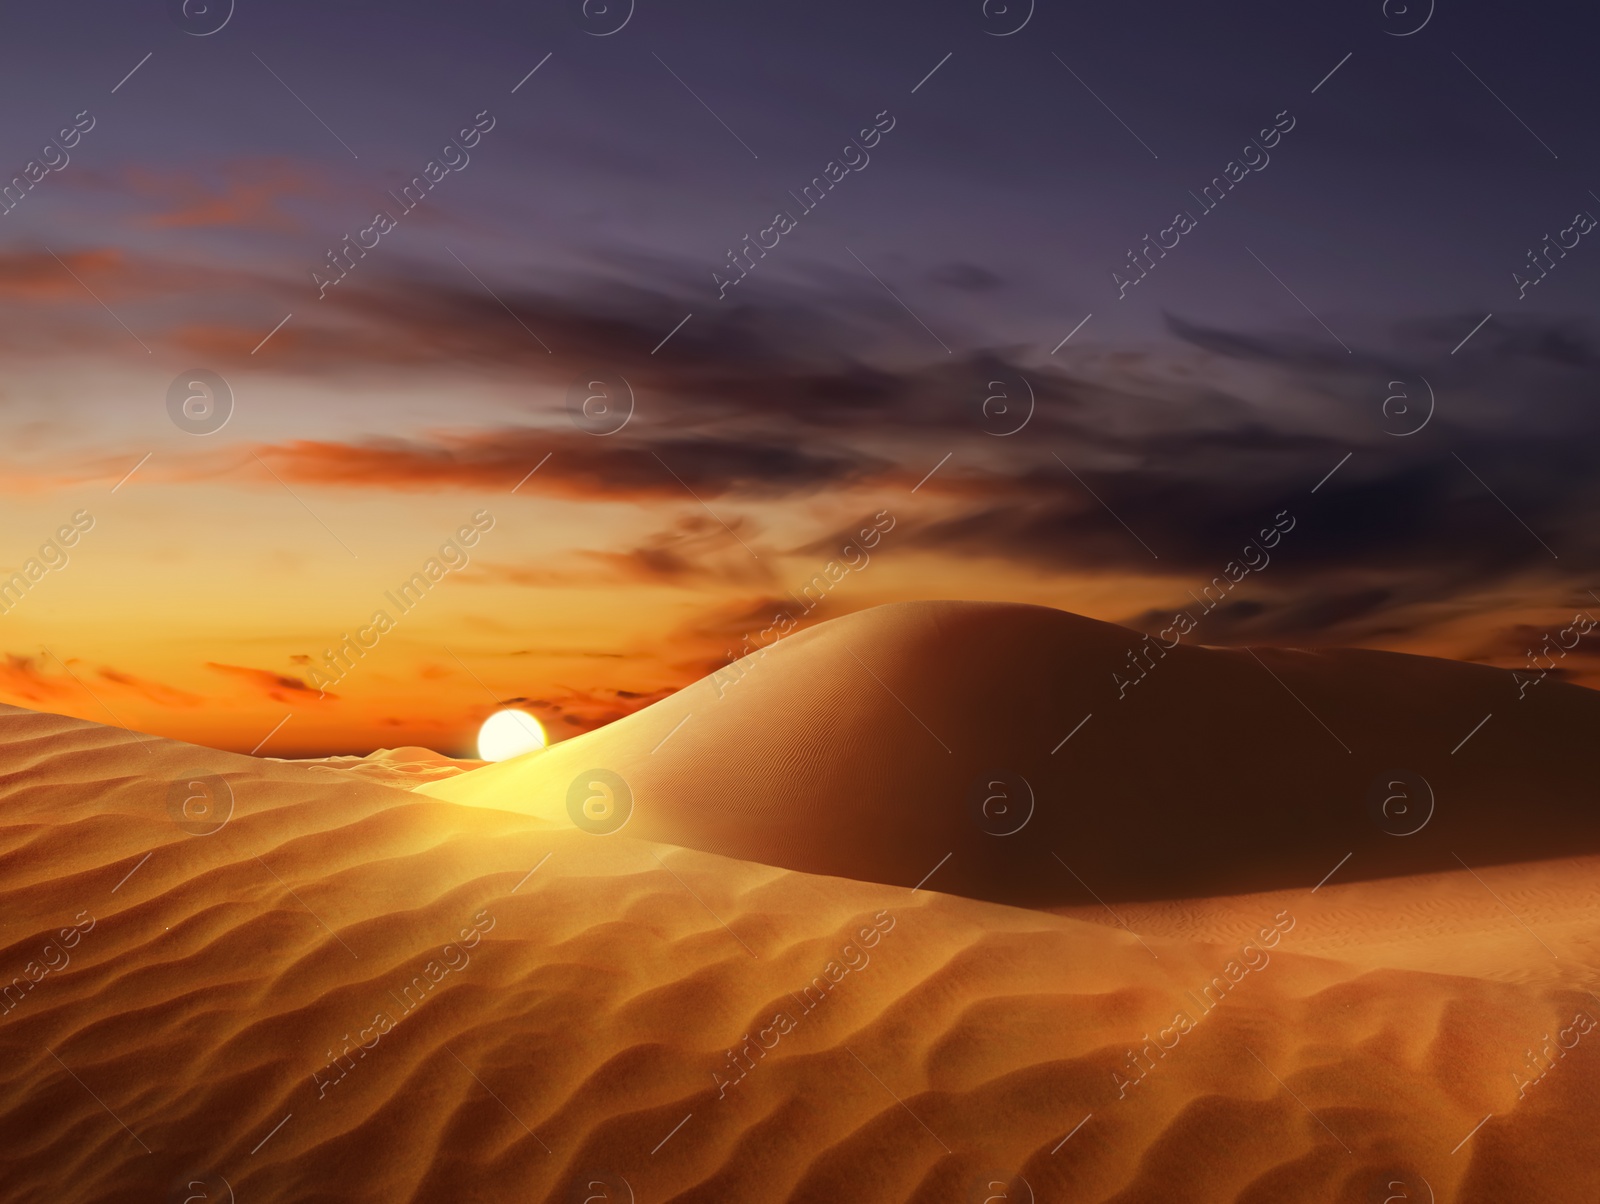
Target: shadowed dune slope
point(863, 747)
point(356, 994)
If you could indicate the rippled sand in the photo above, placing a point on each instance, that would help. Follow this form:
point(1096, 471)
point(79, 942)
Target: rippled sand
point(354, 992)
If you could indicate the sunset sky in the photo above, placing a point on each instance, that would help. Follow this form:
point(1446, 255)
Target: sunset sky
point(585, 234)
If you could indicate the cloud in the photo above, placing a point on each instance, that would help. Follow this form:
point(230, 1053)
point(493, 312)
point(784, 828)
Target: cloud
point(571, 712)
point(33, 276)
point(28, 679)
point(1185, 450)
point(581, 466)
point(151, 691)
point(81, 276)
point(244, 194)
point(55, 302)
point(24, 677)
point(1185, 453)
point(1526, 642)
point(694, 549)
point(276, 686)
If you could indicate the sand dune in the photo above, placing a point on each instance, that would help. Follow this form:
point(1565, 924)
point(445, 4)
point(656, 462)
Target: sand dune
point(1499, 922)
point(227, 978)
point(404, 767)
point(562, 1010)
point(862, 748)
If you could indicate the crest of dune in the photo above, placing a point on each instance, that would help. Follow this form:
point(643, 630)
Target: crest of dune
point(863, 747)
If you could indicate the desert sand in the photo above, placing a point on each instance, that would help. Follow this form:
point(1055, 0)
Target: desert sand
point(854, 748)
point(342, 989)
point(404, 767)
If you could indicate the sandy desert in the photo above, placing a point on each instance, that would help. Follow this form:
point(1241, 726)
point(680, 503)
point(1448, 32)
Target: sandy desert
point(925, 602)
point(408, 979)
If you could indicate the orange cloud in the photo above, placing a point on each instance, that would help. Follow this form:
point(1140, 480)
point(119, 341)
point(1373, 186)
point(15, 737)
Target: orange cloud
point(23, 677)
point(276, 686)
point(29, 277)
point(248, 195)
point(41, 276)
point(223, 343)
point(151, 691)
point(581, 466)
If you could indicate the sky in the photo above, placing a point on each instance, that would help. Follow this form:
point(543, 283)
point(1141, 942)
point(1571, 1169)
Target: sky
point(690, 305)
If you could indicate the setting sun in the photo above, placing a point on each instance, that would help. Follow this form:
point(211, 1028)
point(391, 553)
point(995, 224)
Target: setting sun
point(507, 734)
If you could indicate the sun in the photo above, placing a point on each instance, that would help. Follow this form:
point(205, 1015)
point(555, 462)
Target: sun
point(507, 734)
